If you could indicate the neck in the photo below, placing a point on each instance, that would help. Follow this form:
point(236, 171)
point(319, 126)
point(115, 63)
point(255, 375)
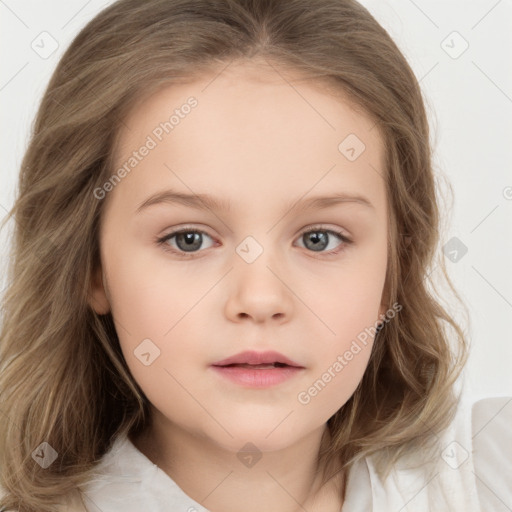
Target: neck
point(285, 480)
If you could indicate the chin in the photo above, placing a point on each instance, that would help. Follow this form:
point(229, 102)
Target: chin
point(267, 434)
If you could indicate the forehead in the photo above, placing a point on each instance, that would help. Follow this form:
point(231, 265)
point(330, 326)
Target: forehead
point(255, 129)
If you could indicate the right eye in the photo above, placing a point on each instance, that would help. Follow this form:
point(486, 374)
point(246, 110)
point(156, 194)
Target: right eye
point(187, 240)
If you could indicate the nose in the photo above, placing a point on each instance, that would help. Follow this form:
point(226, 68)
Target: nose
point(258, 292)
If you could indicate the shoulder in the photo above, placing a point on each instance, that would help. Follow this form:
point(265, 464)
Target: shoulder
point(491, 423)
point(467, 466)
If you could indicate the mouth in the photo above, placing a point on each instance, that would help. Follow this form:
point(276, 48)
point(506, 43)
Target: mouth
point(253, 359)
point(257, 370)
point(257, 366)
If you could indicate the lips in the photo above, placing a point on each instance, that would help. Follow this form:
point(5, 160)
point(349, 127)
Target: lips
point(257, 370)
point(253, 360)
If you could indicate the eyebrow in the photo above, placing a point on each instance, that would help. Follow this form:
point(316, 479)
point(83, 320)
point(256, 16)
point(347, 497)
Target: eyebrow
point(208, 202)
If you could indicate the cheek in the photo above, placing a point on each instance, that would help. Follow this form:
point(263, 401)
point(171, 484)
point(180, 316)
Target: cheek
point(148, 294)
point(335, 378)
point(348, 304)
point(348, 298)
point(154, 307)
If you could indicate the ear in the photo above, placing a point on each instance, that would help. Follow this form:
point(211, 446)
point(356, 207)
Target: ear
point(97, 295)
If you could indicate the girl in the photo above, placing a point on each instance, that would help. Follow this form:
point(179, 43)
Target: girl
point(218, 294)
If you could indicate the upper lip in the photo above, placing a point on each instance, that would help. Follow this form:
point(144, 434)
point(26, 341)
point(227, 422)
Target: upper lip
point(253, 357)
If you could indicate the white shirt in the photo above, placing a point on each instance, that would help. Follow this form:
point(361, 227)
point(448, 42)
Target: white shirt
point(473, 473)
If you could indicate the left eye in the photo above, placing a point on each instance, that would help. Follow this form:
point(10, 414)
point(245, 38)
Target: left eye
point(188, 241)
point(318, 240)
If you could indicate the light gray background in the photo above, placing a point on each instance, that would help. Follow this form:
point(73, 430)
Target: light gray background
point(469, 99)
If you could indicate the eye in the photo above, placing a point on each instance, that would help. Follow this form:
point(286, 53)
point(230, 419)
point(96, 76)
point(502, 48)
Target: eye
point(317, 239)
point(187, 240)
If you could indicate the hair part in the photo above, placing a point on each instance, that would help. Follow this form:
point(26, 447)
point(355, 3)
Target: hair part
point(63, 379)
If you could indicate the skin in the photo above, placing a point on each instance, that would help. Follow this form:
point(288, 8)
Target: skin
point(259, 142)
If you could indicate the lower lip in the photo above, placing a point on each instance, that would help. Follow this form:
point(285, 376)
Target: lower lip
point(262, 378)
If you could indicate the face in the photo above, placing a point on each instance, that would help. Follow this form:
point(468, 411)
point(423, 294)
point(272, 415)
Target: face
point(258, 266)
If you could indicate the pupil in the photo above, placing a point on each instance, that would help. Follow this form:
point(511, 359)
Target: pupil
point(192, 241)
point(319, 239)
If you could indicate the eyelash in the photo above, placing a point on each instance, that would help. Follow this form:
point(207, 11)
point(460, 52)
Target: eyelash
point(334, 252)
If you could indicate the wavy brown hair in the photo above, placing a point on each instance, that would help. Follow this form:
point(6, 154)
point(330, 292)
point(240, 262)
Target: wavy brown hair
point(63, 379)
